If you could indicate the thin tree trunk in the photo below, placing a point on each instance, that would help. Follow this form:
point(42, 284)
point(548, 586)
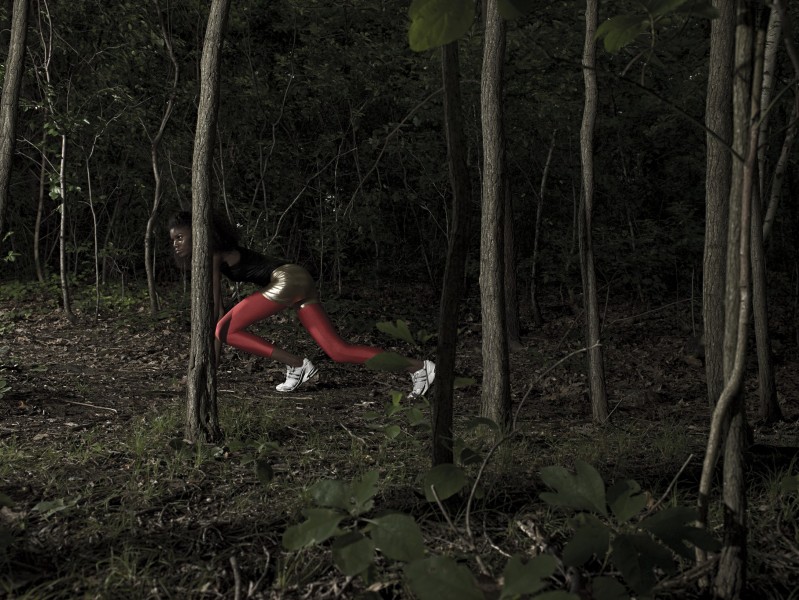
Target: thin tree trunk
point(511, 284)
point(62, 237)
point(718, 119)
point(37, 227)
point(769, 408)
point(730, 581)
point(155, 145)
point(9, 101)
point(596, 367)
point(457, 248)
point(539, 209)
point(202, 419)
point(495, 398)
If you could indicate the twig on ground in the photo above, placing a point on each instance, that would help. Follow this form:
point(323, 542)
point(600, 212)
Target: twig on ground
point(668, 489)
point(236, 577)
point(113, 410)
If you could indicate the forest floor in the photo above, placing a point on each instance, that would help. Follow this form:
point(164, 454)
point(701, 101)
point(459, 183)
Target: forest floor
point(105, 500)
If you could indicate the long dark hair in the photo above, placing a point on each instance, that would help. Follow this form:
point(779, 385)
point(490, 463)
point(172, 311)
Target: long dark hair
point(224, 235)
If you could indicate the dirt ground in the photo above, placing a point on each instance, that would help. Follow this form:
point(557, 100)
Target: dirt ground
point(92, 389)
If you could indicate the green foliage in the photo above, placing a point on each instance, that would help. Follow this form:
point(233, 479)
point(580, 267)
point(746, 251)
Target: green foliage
point(435, 23)
point(639, 546)
point(395, 536)
point(622, 30)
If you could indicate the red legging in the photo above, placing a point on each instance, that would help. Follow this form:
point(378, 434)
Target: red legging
point(231, 330)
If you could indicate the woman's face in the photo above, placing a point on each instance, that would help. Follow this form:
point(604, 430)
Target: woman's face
point(181, 241)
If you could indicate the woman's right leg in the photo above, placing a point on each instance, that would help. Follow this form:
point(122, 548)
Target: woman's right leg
point(315, 320)
point(231, 328)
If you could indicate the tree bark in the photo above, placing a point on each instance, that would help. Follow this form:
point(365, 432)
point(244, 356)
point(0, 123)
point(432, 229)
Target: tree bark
point(9, 102)
point(730, 581)
point(538, 318)
point(62, 235)
point(718, 119)
point(495, 398)
point(202, 420)
point(457, 249)
point(596, 367)
point(769, 407)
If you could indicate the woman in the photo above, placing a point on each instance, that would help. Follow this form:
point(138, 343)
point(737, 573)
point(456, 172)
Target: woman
point(286, 285)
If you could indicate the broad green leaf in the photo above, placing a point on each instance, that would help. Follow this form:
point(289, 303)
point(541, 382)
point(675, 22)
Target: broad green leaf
point(362, 492)
point(513, 9)
point(331, 493)
point(388, 361)
point(675, 525)
point(321, 524)
point(264, 471)
point(447, 479)
point(470, 457)
point(398, 537)
point(392, 431)
point(527, 577)
point(399, 330)
point(607, 588)
point(584, 490)
point(637, 556)
point(591, 538)
point(441, 578)
point(51, 507)
point(353, 553)
point(416, 417)
point(621, 30)
point(789, 484)
point(438, 22)
point(626, 500)
point(6, 501)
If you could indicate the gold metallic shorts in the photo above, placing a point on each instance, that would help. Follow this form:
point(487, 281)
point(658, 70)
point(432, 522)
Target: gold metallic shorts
point(292, 285)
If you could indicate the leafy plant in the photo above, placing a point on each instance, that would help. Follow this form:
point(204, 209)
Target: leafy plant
point(340, 514)
point(622, 30)
point(608, 525)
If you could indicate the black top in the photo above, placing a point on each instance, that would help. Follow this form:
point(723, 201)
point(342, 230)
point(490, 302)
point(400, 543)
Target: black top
point(252, 267)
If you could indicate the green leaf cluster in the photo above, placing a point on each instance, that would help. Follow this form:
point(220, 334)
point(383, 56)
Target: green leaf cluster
point(609, 526)
point(622, 30)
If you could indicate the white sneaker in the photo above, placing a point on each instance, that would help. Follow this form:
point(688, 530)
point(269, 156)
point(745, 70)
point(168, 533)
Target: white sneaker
point(296, 376)
point(423, 379)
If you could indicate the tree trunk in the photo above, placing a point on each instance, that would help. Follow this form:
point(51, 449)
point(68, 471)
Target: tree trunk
point(596, 367)
point(769, 408)
point(730, 580)
point(495, 398)
point(37, 227)
point(9, 101)
point(155, 145)
point(62, 236)
point(718, 119)
point(457, 248)
point(202, 420)
point(538, 319)
point(511, 286)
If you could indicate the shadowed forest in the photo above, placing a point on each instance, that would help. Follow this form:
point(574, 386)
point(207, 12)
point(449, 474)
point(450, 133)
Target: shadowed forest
point(583, 212)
